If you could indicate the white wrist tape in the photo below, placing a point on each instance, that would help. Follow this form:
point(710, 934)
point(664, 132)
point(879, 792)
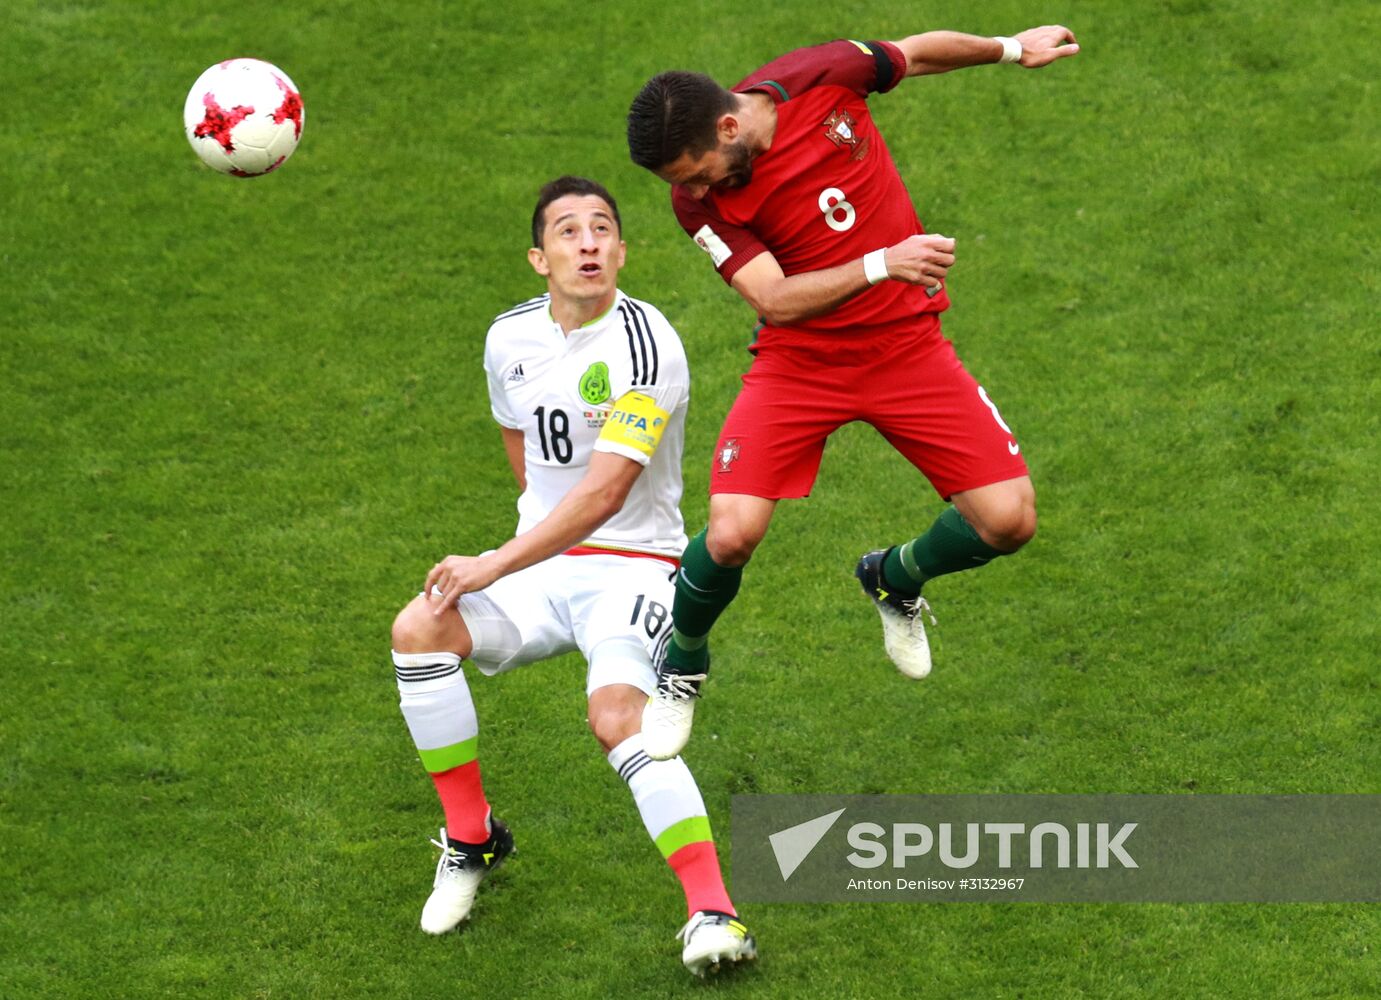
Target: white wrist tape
point(875, 266)
point(1011, 49)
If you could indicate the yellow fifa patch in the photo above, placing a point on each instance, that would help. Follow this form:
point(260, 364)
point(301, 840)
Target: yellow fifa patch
point(862, 48)
point(636, 421)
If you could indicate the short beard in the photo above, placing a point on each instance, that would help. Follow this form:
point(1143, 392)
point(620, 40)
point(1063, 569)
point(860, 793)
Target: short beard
point(740, 163)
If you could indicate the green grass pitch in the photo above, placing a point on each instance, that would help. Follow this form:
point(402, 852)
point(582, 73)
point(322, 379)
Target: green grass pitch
point(240, 419)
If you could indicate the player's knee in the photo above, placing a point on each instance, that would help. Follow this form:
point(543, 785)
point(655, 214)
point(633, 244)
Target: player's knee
point(416, 629)
point(1012, 526)
point(730, 543)
point(614, 718)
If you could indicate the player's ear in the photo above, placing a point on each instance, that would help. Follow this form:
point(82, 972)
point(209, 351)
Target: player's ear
point(727, 128)
point(623, 253)
point(538, 260)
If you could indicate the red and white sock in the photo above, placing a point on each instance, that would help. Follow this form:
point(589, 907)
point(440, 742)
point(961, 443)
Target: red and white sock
point(674, 813)
point(440, 714)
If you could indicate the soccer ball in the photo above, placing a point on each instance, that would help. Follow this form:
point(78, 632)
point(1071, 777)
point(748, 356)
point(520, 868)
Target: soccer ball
point(244, 117)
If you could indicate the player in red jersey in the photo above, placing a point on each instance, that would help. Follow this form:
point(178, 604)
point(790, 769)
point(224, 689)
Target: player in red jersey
point(789, 187)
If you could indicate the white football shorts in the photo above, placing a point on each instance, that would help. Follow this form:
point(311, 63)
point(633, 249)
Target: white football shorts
point(571, 603)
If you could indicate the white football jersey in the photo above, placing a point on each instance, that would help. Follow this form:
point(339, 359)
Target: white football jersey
point(560, 391)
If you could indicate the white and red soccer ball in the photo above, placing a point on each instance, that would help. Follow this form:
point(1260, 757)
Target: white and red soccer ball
point(244, 117)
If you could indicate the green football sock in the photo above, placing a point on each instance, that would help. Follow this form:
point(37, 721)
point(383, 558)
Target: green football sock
point(951, 545)
point(703, 590)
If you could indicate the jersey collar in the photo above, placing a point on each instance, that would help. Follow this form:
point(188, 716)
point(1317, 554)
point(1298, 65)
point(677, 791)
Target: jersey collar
point(590, 326)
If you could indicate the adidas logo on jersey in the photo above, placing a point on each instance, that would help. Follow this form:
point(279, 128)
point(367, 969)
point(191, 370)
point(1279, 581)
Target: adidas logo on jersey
point(516, 375)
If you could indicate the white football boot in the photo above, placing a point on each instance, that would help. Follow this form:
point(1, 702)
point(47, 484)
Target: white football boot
point(458, 875)
point(713, 939)
point(903, 630)
point(668, 714)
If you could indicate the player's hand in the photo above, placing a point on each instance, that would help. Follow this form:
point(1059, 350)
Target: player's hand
point(921, 260)
point(456, 575)
point(1042, 46)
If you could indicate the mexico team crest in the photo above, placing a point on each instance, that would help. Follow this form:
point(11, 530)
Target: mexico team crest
point(594, 384)
point(841, 128)
point(728, 451)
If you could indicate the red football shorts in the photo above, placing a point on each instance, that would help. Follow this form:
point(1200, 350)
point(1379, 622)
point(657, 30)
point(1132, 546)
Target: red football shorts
point(908, 383)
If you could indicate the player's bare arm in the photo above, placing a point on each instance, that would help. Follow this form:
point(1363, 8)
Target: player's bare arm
point(598, 496)
point(941, 51)
point(513, 448)
point(782, 300)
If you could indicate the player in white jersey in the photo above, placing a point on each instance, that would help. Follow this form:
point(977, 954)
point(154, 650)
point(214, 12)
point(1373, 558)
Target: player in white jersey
point(590, 388)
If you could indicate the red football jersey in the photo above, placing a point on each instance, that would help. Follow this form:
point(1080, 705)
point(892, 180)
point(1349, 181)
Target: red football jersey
point(827, 191)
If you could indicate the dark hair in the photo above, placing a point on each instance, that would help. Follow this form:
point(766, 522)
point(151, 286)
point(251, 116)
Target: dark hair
point(675, 113)
point(561, 187)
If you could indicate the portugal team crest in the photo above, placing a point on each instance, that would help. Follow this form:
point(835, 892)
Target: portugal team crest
point(841, 128)
point(728, 451)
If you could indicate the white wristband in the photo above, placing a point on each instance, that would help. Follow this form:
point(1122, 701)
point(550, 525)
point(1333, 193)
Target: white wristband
point(875, 266)
point(1011, 49)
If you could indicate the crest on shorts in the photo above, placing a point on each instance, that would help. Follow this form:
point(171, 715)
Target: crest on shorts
point(594, 384)
point(728, 451)
point(841, 128)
